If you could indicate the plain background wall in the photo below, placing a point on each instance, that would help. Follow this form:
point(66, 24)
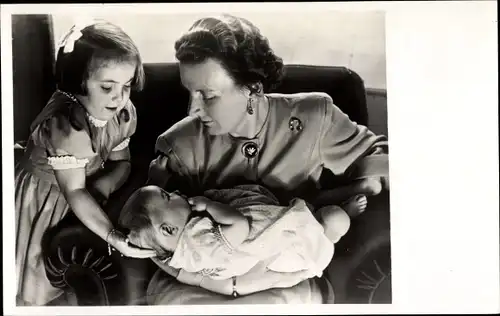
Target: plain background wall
point(352, 39)
point(337, 38)
point(32, 66)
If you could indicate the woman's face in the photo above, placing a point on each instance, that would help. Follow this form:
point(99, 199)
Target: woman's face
point(215, 97)
point(108, 90)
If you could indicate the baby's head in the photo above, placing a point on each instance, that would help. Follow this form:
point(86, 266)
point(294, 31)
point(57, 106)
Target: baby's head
point(99, 64)
point(155, 218)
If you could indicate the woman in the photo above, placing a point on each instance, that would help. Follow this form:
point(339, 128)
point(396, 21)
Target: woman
point(236, 132)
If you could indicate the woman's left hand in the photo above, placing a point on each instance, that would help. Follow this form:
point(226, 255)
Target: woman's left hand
point(260, 278)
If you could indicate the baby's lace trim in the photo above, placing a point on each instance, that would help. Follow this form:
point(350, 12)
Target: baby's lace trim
point(122, 145)
point(66, 162)
point(218, 233)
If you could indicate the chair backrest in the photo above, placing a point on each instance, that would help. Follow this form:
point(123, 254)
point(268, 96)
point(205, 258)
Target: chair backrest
point(164, 101)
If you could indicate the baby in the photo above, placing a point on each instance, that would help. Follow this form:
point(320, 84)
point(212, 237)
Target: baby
point(226, 232)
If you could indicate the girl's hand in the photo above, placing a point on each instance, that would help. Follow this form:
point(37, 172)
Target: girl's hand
point(199, 203)
point(123, 245)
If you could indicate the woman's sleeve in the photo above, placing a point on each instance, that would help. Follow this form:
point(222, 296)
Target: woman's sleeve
point(349, 149)
point(166, 168)
point(127, 120)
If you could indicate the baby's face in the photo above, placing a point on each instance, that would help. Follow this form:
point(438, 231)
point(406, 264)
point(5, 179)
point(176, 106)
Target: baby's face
point(168, 213)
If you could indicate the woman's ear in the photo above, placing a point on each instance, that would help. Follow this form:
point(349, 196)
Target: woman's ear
point(168, 229)
point(256, 88)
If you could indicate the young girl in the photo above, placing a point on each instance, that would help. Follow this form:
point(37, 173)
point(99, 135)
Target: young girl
point(78, 144)
point(241, 227)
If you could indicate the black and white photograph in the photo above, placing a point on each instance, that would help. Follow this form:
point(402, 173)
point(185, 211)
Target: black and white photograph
point(202, 157)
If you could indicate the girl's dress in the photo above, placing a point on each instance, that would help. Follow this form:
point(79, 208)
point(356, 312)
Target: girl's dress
point(289, 233)
point(63, 136)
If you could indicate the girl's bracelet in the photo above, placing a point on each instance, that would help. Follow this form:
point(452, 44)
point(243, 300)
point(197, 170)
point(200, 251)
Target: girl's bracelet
point(112, 231)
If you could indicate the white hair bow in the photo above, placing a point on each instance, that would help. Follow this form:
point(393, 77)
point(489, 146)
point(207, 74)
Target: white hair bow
point(68, 40)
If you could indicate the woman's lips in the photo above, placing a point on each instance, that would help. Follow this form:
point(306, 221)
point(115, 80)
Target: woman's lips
point(112, 109)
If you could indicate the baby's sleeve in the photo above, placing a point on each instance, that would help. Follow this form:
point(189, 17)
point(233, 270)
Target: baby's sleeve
point(127, 122)
point(201, 246)
point(66, 147)
point(346, 147)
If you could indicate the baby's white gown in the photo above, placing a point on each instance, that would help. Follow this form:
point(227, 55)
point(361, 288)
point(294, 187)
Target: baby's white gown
point(289, 232)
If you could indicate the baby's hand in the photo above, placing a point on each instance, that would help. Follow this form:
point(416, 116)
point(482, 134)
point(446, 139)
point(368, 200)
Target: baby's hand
point(199, 203)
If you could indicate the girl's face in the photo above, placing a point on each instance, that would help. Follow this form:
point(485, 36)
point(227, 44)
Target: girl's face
point(215, 97)
point(108, 89)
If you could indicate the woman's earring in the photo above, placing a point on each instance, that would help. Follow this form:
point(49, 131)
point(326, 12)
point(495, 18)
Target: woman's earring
point(250, 106)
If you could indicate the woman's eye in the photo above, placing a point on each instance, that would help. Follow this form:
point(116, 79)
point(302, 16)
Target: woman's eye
point(210, 98)
point(107, 89)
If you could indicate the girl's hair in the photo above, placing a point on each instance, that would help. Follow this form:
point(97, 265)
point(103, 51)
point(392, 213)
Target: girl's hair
point(101, 43)
point(238, 44)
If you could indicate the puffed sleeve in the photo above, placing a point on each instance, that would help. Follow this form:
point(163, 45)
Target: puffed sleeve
point(127, 124)
point(67, 147)
point(347, 148)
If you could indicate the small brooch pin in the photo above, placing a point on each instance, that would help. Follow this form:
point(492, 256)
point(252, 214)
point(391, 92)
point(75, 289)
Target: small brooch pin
point(295, 124)
point(250, 150)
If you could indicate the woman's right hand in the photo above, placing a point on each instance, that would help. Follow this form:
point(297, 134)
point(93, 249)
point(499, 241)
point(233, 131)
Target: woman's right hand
point(121, 243)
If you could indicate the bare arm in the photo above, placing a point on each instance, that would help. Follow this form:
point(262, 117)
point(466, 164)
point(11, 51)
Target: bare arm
point(165, 267)
point(259, 278)
point(72, 185)
point(115, 174)
point(234, 225)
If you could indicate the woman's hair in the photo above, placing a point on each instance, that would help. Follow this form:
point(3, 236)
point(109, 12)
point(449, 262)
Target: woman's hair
point(101, 43)
point(238, 44)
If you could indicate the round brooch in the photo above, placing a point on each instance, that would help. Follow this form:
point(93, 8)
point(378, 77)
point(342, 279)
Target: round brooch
point(250, 150)
point(295, 124)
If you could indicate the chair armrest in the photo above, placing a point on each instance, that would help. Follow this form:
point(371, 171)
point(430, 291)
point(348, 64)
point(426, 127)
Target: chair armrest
point(76, 260)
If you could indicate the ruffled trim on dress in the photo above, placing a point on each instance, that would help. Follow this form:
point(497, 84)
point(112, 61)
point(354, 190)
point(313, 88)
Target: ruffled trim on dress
point(217, 231)
point(95, 121)
point(66, 162)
